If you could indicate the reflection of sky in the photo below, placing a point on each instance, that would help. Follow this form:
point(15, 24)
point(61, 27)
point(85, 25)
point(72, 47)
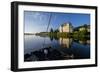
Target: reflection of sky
point(38, 21)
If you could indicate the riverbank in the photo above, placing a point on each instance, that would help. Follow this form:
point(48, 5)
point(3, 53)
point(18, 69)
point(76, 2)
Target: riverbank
point(75, 35)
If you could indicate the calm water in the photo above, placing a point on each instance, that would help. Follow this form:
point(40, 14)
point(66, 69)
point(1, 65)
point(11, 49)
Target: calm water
point(54, 49)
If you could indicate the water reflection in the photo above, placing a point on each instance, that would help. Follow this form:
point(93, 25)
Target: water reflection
point(65, 42)
point(58, 49)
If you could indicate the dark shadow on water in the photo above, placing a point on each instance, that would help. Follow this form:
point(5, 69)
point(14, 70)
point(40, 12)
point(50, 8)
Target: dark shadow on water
point(47, 54)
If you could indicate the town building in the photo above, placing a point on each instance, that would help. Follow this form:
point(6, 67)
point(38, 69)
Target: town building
point(86, 27)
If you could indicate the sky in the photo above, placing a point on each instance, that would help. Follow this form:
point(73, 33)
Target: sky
point(35, 22)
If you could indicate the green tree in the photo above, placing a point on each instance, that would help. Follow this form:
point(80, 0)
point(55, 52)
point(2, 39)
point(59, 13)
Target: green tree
point(56, 31)
point(51, 30)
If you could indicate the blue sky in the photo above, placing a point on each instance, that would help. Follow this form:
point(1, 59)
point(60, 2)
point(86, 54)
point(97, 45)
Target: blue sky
point(35, 22)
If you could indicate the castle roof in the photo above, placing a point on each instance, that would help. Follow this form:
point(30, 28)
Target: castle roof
point(67, 23)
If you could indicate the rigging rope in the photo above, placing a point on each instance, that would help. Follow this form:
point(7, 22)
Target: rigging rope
point(47, 27)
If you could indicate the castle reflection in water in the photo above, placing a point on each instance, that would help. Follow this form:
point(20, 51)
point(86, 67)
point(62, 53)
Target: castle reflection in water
point(66, 42)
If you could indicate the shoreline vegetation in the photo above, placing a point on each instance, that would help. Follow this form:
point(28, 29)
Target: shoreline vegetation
point(29, 33)
point(76, 34)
